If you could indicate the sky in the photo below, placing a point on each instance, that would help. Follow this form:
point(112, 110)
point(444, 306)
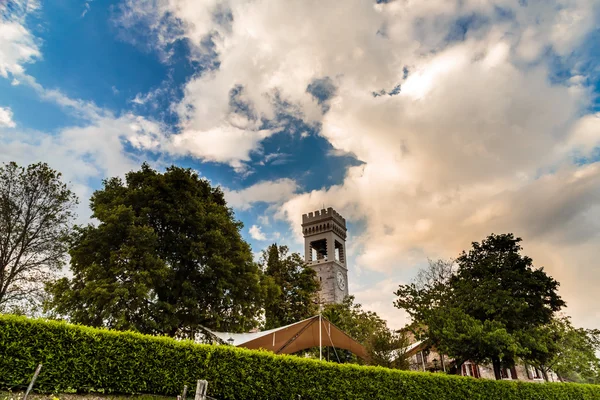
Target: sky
point(427, 124)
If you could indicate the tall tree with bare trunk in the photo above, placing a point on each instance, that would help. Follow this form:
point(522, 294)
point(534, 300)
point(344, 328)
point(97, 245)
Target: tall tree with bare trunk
point(36, 211)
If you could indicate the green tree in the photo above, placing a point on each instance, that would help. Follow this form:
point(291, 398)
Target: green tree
point(489, 309)
point(384, 346)
point(165, 258)
point(36, 212)
point(387, 348)
point(292, 287)
point(568, 351)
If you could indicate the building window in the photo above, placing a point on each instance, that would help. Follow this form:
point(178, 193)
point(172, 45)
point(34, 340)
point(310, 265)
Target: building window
point(508, 373)
point(534, 373)
point(421, 358)
point(470, 369)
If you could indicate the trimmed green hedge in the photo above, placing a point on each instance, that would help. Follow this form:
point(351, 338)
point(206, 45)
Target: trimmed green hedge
point(96, 360)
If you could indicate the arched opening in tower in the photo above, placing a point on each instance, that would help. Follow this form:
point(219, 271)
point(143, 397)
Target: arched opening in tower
point(339, 252)
point(318, 250)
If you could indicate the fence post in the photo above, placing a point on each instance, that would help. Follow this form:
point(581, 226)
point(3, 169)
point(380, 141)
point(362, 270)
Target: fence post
point(35, 375)
point(201, 387)
point(184, 392)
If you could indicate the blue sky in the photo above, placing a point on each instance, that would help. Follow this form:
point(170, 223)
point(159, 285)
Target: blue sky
point(428, 126)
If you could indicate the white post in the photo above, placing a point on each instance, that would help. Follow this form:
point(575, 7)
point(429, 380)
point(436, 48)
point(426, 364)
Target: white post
point(35, 375)
point(201, 388)
point(320, 341)
point(443, 363)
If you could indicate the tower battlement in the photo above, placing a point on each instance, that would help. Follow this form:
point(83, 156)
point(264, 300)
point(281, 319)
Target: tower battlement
point(323, 214)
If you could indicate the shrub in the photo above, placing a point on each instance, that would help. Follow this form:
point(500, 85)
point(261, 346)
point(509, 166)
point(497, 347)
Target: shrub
point(97, 360)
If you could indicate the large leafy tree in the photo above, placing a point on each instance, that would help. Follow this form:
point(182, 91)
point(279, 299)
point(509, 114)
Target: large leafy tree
point(36, 212)
point(292, 287)
point(568, 351)
point(489, 309)
point(166, 257)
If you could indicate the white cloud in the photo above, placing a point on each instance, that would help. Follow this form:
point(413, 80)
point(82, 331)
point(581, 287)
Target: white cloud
point(256, 233)
point(377, 297)
point(6, 117)
point(225, 144)
point(96, 148)
point(86, 8)
point(273, 192)
point(585, 137)
point(17, 48)
point(94, 151)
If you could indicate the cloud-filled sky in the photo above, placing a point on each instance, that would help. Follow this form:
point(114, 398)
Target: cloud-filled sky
point(427, 124)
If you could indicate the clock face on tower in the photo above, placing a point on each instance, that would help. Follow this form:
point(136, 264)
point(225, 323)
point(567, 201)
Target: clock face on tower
point(341, 281)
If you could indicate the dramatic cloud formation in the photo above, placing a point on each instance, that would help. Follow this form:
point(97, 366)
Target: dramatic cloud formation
point(465, 118)
point(453, 107)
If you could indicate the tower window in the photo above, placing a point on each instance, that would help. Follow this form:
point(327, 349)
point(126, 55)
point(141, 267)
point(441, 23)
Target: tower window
point(339, 252)
point(319, 250)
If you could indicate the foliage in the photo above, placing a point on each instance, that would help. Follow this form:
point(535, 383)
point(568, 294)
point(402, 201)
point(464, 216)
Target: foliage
point(292, 287)
point(167, 257)
point(383, 345)
point(386, 348)
point(570, 352)
point(353, 319)
point(36, 210)
point(96, 360)
point(489, 309)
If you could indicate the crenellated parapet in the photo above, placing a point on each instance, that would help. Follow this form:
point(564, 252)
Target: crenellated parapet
point(323, 215)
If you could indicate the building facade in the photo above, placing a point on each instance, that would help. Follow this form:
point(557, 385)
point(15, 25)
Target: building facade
point(422, 357)
point(325, 251)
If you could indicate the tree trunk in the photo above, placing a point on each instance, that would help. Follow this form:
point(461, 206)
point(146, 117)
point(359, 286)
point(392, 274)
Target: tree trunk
point(545, 374)
point(497, 365)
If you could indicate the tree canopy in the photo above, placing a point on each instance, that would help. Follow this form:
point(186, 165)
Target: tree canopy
point(487, 310)
point(292, 287)
point(568, 351)
point(36, 212)
point(166, 257)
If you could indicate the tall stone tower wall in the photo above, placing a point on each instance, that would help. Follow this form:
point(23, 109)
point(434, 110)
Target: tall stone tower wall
point(325, 251)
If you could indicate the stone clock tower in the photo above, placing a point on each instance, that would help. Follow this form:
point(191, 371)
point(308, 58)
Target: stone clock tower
point(325, 251)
